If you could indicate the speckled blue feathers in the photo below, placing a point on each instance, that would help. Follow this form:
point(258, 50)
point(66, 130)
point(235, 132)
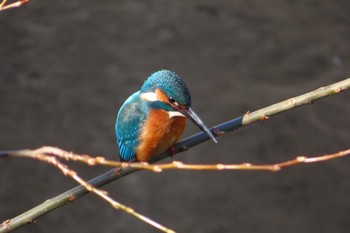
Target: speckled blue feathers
point(171, 84)
point(131, 118)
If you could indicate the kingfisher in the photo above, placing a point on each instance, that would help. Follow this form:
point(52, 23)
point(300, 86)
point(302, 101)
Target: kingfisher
point(152, 119)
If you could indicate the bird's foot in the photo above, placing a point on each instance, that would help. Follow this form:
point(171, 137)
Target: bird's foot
point(172, 151)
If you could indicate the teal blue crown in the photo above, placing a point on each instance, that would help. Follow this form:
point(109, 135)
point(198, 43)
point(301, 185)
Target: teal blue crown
point(171, 84)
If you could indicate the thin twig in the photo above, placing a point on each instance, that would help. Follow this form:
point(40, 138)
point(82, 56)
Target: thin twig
point(183, 145)
point(3, 5)
point(245, 166)
point(92, 161)
point(39, 155)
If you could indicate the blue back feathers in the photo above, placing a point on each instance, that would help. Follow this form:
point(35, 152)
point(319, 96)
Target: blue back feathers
point(131, 118)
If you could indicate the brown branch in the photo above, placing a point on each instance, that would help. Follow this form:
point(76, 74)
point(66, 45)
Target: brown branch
point(3, 5)
point(47, 155)
point(248, 166)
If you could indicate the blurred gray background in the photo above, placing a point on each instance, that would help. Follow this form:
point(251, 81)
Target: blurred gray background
point(67, 66)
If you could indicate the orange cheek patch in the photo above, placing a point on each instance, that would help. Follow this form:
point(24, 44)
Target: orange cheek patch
point(161, 96)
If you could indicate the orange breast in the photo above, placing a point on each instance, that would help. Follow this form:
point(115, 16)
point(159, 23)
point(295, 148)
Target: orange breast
point(159, 134)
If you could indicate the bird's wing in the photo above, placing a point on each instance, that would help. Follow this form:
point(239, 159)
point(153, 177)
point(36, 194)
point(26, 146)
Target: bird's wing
point(130, 120)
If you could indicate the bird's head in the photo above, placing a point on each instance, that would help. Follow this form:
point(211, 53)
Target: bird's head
point(167, 91)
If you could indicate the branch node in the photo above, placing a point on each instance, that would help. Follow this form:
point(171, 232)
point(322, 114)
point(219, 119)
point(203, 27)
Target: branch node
point(337, 90)
point(276, 168)
point(157, 169)
point(217, 132)
point(72, 197)
point(178, 164)
point(292, 102)
point(5, 223)
point(263, 117)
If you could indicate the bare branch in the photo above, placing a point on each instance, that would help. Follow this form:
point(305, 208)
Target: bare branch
point(3, 5)
point(45, 154)
point(128, 168)
point(41, 155)
point(308, 98)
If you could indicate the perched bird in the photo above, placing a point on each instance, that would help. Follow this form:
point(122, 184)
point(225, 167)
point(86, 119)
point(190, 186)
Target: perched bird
point(151, 120)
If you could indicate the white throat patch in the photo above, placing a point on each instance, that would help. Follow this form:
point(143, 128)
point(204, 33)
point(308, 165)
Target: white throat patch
point(175, 113)
point(149, 96)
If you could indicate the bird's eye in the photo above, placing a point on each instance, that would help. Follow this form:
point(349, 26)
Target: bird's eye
point(171, 100)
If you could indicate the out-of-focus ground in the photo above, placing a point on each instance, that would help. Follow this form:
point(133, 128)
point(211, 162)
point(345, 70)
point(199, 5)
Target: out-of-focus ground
point(67, 66)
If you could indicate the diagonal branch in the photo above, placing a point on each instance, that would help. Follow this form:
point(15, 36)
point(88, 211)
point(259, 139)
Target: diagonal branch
point(3, 5)
point(44, 157)
point(183, 145)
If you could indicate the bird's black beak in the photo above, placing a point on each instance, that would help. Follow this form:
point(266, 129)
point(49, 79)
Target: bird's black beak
point(189, 113)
